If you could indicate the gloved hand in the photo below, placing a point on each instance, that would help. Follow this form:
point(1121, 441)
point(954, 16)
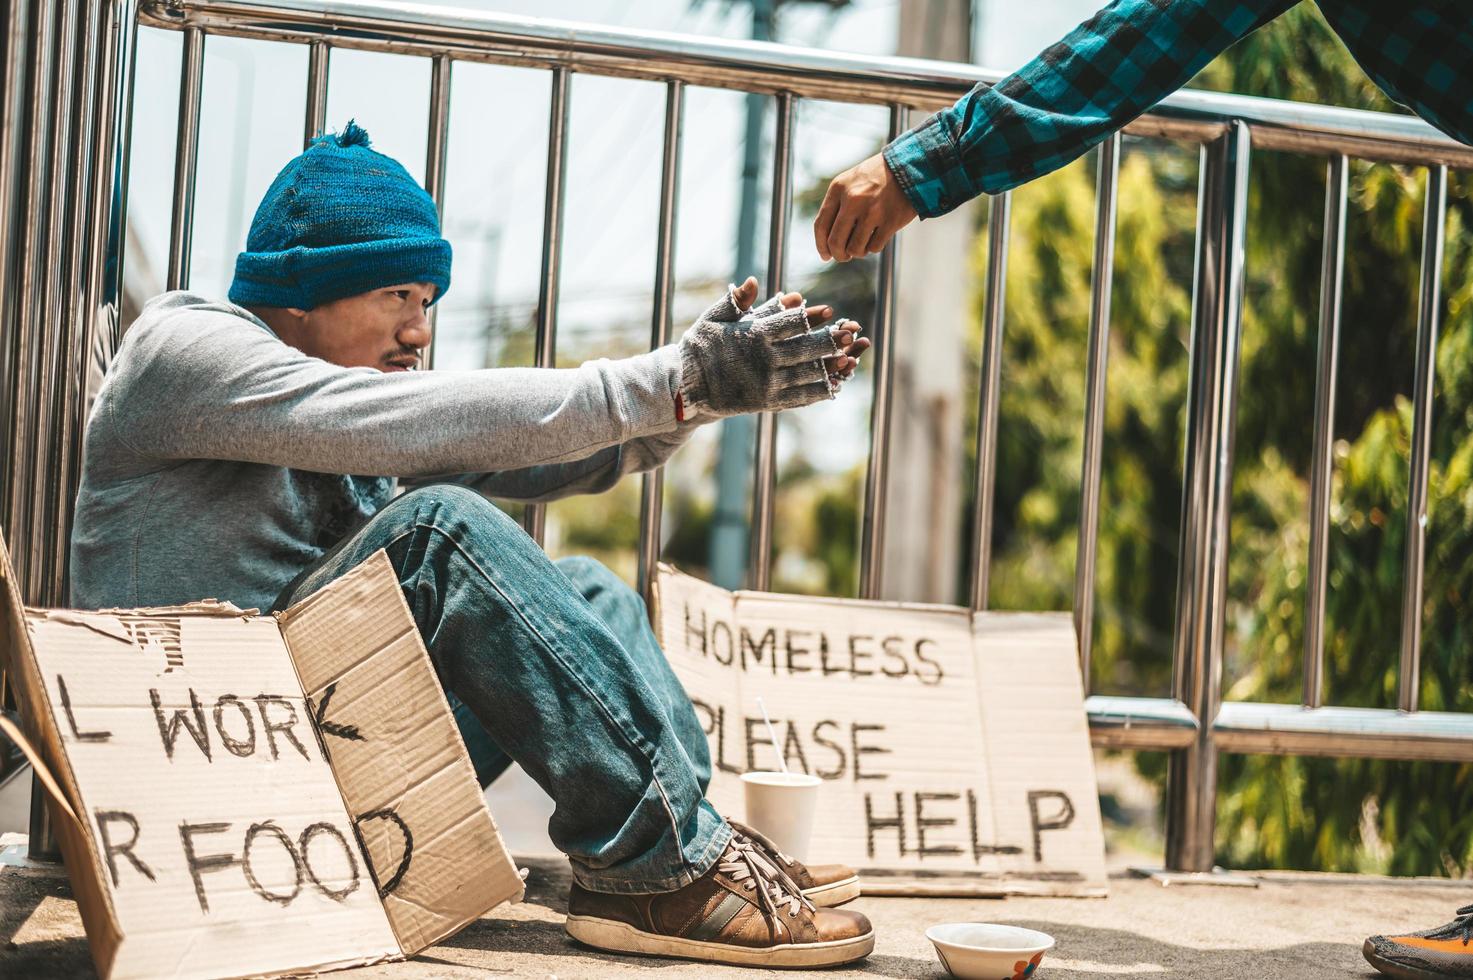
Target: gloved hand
point(763, 360)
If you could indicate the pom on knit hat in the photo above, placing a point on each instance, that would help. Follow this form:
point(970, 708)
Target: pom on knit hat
point(352, 135)
point(339, 220)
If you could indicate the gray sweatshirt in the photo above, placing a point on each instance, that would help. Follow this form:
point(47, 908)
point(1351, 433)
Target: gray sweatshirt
point(220, 461)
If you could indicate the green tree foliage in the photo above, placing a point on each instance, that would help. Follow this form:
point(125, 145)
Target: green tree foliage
point(1286, 812)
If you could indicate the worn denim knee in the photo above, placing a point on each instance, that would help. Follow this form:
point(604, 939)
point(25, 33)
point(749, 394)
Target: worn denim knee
point(586, 706)
point(623, 609)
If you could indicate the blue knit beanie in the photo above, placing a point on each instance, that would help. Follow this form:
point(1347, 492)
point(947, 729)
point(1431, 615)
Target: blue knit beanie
point(339, 220)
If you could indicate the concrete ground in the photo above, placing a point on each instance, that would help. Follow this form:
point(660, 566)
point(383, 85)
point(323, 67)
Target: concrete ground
point(1291, 925)
point(1298, 926)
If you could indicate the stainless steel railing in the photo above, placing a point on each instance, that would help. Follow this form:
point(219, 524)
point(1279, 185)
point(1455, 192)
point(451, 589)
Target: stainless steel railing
point(1194, 724)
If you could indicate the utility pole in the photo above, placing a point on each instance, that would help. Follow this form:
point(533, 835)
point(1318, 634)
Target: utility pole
point(732, 517)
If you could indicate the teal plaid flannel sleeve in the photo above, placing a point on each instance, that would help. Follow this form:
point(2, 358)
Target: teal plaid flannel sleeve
point(1106, 72)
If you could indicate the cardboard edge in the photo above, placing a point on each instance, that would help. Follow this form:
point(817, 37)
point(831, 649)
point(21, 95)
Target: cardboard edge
point(84, 865)
point(657, 604)
point(888, 605)
point(964, 889)
point(200, 607)
point(378, 564)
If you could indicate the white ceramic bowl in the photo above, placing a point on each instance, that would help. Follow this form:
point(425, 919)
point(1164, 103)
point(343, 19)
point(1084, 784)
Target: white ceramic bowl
point(981, 951)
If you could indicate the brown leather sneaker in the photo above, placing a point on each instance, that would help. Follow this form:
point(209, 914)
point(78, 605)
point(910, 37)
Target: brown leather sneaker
point(822, 884)
point(744, 911)
point(1436, 953)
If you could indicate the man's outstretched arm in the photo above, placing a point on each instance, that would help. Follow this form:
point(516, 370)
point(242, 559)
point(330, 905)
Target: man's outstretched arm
point(1107, 71)
point(605, 468)
point(202, 383)
point(196, 381)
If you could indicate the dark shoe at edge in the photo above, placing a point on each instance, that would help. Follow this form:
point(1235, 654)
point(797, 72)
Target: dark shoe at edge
point(1431, 955)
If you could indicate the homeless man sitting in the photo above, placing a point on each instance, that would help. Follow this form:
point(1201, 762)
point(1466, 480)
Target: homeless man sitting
point(222, 457)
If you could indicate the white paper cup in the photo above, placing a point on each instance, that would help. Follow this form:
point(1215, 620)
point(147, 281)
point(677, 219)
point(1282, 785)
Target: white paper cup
point(782, 805)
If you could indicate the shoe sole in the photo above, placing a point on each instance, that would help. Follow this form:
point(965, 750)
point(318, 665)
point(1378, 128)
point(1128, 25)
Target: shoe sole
point(620, 937)
point(1400, 971)
point(834, 893)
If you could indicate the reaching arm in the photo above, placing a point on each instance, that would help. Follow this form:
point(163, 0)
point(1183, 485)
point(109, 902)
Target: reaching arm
point(592, 474)
point(199, 381)
point(1107, 71)
point(708, 390)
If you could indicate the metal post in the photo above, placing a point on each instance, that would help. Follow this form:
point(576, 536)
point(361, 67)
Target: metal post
point(1428, 313)
point(186, 156)
point(535, 517)
point(103, 35)
point(29, 323)
point(12, 117)
point(765, 486)
point(438, 137)
point(41, 230)
point(57, 322)
point(998, 220)
point(1322, 466)
point(1217, 292)
point(1096, 377)
point(113, 122)
point(318, 56)
point(111, 265)
point(876, 484)
point(652, 485)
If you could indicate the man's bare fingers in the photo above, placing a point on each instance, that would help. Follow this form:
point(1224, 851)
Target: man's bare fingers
point(790, 300)
point(842, 230)
point(858, 347)
point(859, 238)
point(746, 293)
point(818, 314)
point(878, 240)
point(824, 223)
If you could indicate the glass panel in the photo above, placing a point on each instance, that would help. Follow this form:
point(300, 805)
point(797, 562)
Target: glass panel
point(492, 216)
point(1448, 590)
point(253, 102)
point(823, 449)
point(1269, 553)
point(1145, 418)
point(610, 230)
point(386, 94)
point(708, 505)
point(1373, 420)
point(151, 167)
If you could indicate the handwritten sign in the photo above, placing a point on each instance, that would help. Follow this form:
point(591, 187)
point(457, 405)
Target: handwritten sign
point(211, 802)
point(954, 748)
point(257, 795)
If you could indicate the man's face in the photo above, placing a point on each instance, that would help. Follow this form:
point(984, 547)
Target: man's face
point(385, 328)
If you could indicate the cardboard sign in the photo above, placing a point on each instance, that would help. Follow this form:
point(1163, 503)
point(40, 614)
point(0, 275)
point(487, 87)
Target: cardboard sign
point(232, 824)
point(954, 748)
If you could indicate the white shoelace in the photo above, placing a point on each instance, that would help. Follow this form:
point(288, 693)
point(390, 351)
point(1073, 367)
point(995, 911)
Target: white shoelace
point(744, 862)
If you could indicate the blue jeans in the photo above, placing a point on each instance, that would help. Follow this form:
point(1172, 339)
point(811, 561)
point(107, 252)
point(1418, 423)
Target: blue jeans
point(552, 666)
